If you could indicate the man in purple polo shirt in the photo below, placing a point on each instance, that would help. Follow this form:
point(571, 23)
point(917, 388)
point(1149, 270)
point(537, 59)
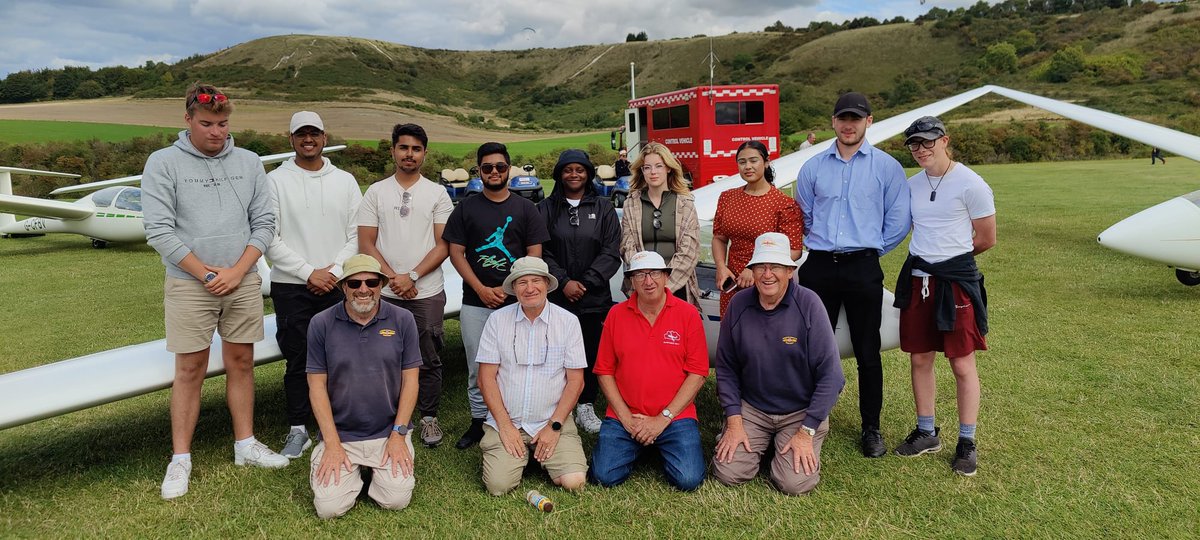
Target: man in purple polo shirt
point(778, 375)
point(363, 364)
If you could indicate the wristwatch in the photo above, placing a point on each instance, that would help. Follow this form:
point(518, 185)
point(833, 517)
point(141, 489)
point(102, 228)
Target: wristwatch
point(413, 275)
point(667, 413)
point(810, 431)
point(555, 426)
point(210, 276)
point(402, 430)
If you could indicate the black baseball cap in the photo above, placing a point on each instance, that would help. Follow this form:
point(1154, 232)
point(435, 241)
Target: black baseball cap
point(925, 128)
point(854, 103)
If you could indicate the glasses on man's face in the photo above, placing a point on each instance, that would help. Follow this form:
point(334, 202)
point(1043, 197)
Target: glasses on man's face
point(928, 145)
point(657, 223)
point(574, 216)
point(356, 283)
point(772, 268)
point(642, 275)
point(206, 98)
point(405, 199)
point(487, 168)
point(656, 167)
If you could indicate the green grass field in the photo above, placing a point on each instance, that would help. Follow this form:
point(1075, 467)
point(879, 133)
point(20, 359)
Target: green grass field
point(1088, 428)
point(40, 131)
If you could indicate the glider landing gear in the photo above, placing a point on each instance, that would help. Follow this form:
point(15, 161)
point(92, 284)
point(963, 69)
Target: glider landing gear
point(1187, 277)
point(99, 244)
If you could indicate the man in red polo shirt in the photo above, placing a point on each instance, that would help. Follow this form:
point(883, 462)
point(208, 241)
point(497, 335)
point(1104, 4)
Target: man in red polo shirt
point(650, 375)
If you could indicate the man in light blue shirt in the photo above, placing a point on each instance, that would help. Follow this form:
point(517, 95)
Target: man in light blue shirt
point(855, 202)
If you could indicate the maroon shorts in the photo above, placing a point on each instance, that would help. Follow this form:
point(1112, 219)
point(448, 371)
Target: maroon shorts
point(918, 324)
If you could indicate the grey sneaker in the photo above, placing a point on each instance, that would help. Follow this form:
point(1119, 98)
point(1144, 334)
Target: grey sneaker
point(585, 417)
point(919, 442)
point(258, 455)
point(964, 457)
point(431, 431)
point(175, 482)
point(295, 444)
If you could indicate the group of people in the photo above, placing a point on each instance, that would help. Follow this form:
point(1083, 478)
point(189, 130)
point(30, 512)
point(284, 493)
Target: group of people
point(357, 286)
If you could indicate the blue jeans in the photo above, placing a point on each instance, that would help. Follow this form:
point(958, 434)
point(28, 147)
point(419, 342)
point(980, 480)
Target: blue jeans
point(679, 445)
point(471, 320)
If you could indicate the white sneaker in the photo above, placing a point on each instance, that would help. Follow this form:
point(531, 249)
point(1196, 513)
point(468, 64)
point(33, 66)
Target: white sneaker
point(175, 483)
point(585, 416)
point(258, 455)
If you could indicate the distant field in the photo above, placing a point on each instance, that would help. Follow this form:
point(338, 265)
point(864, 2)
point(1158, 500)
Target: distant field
point(40, 131)
point(1088, 427)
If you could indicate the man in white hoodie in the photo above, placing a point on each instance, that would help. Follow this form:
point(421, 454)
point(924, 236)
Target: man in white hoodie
point(400, 223)
point(207, 208)
point(315, 205)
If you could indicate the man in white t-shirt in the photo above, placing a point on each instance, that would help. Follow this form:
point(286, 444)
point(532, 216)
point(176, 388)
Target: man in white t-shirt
point(315, 207)
point(940, 292)
point(400, 223)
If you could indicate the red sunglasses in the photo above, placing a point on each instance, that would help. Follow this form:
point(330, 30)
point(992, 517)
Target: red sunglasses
point(205, 99)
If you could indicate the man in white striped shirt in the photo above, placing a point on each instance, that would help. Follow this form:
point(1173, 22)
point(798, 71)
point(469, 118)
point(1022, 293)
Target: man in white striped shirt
point(531, 364)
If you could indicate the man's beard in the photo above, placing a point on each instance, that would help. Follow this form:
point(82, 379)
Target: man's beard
point(363, 306)
point(495, 187)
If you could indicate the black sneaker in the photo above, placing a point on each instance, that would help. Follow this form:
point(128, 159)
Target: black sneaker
point(919, 442)
point(473, 435)
point(964, 457)
point(872, 443)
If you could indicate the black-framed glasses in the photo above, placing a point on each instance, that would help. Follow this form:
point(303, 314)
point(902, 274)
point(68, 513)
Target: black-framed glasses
point(657, 223)
point(487, 168)
point(926, 144)
point(356, 283)
point(574, 216)
point(405, 199)
point(642, 275)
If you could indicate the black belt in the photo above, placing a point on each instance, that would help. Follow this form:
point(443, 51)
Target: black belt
point(839, 256)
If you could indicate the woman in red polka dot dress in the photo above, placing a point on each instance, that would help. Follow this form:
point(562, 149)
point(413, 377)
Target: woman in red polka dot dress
point(743, 214)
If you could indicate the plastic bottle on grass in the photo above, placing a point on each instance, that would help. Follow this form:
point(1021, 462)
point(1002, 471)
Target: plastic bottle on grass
point(539, 501)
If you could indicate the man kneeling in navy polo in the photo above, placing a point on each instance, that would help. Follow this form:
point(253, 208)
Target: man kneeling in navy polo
point(363, 362)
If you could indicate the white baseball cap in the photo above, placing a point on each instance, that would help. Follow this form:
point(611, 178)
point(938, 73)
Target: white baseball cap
point(646, 260)
point(773, 248)
point(305, 118)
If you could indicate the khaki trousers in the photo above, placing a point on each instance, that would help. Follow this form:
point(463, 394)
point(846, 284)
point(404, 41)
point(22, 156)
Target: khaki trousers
point(391, 492)
point(763, 429)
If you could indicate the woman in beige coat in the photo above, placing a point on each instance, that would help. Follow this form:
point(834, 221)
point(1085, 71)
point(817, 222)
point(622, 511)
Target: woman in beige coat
point(660, 216)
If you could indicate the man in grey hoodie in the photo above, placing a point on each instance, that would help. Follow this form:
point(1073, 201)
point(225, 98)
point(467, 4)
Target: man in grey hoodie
point(207, 210)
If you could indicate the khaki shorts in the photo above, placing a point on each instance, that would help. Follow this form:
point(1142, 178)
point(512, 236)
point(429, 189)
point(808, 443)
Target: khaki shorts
point(192, 313)
point(502, 471)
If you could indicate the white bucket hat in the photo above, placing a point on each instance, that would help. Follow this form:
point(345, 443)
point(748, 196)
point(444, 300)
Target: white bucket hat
point(646, 260)
point(529, 266)
point(773, 248)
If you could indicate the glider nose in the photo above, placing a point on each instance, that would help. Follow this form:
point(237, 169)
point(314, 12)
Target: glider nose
point(1168, 233)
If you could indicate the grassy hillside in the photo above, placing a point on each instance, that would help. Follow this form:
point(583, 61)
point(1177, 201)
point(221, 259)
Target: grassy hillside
point(1139, 60)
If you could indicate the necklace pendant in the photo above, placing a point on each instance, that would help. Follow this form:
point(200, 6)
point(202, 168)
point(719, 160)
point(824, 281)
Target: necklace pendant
point(932, 195)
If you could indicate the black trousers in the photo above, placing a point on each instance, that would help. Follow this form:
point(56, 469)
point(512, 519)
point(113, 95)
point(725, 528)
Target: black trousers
point(855, 281)
point(592, 325)
point(428, 314)
point(295, 306)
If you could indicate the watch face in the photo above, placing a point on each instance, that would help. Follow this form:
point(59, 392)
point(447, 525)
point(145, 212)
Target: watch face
point(556, 426)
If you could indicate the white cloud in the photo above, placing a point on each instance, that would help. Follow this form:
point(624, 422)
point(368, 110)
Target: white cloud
point(40, 34)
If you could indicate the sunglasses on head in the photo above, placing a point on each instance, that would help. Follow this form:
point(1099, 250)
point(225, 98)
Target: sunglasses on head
point(205, 98)
point(487, 168)
point(356, 283)
point(922, 126)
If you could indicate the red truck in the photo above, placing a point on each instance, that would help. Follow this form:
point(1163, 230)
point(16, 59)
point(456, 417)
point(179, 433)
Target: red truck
point(704, 125)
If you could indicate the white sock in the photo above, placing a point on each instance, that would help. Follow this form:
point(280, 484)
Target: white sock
point(175, 458)
point(302, 429)
point(245, 443)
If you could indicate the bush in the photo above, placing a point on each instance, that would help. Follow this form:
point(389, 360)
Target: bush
point(1000, 58)
point(1066, 64)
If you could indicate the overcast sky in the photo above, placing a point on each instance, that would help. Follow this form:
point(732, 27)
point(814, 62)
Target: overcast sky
point(96, 33)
